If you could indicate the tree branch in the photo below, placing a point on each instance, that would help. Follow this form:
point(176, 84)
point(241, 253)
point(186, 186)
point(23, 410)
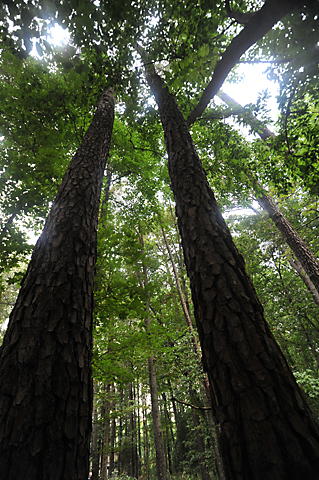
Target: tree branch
point(190, 405)
point(248, 117)
point(240, 17)
point(263, 20)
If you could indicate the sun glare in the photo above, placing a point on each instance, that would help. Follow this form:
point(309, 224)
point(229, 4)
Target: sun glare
point(58, 35)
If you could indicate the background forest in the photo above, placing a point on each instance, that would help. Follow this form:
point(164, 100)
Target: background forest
point(146, 354)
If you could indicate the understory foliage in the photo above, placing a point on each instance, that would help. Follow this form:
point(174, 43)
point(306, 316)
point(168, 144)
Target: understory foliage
point(46, 106)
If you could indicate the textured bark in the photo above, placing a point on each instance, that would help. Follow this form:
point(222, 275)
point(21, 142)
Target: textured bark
point(263, 20)
point(45, 383)
point(267, 431)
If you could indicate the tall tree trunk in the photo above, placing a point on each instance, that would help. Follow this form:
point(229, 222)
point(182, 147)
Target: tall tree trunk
point(45, 383)
point(267, 431)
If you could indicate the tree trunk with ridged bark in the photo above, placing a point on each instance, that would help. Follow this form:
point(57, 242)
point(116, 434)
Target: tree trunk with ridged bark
point(45, 359)
point(266, 428)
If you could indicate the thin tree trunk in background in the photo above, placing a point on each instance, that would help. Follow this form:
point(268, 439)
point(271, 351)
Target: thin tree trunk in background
point(285, 348)
point(7, 225)
point(133, 436)
point(157, 429)
point(180, 294)
point(113, 430)
point(120, 436)
point(168, 418)
point(296, 265)
point(309, 341)
point(95, 452)
point(306, 262)
point(295, 242)
point(147, 445)
point(106, 434)
point(200, 445)
point(257, 126)
point(168, 431)
point(204, 383)
point(297, 314)
point(45, 358)
point(255, 397)
point(139, 469)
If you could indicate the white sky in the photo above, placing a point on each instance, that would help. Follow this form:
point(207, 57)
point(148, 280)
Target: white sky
point(253, 83)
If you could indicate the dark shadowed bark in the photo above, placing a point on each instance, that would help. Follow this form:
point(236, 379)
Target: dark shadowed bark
point(45, 382)
point(261, 22)
point(266, 428)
